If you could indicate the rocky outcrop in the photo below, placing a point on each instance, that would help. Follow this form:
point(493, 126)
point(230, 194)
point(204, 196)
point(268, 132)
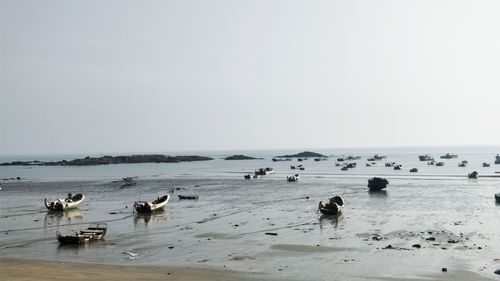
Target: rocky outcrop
point(106, 160)
point(240, 157)
point(303, 155)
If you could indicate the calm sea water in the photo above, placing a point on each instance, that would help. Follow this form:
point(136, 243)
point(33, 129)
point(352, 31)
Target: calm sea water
point(408, 157)
point(226, 227)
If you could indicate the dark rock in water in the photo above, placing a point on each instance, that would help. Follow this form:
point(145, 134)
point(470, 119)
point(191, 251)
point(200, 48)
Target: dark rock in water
point(188, 197)
point(271, 233)
point(106, 160)
point(444, 269)
point(418, 246)
point(303, 154)
point(240, 157)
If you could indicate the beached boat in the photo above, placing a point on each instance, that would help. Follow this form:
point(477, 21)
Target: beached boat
point(398, 167)
point(331, 206)
point(292, 167)
point(439, 164)
point(70, 202)
point(425, 157)
point(376, 183)
point(268, 171)
point(485, 165)
point(368, 165)
point(497, 197)
point(448, 156)
point(377, 157)
point(463, 163)
point(473, 175)
point(293, 178)
point(149, 206)
point(413, 170)
point(95, 231)
point(345, 168)
point(247, 177)
point(497, 159)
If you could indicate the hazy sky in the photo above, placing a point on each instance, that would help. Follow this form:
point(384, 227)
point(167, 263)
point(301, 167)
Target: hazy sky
point(143, 76)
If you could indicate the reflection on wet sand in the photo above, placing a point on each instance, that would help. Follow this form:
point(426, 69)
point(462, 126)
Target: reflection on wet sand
point(378, 194)
point(334, 220)
point(157, 215)
point(56, 217)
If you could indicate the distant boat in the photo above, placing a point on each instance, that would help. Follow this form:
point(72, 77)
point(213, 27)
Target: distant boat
point(463, 163)
point(345, 168)
point(486, 164)
point(448, 156)
point(440, 164)
point(340, 159)
point(269, 171)
point(247, 177)
point(292, 167)
point(331, 206)
point(70, 202)
point(413, 170)
point(95, 231)
point(497, 197)
point(375, 184)
point(425, 157)
point(473, 175)
point(188, 197)
point(497, 159)
point(388, 164)
point(398, 167)
point(149, 206)
point(293, 178)
point(368, 165)
point(302, 168)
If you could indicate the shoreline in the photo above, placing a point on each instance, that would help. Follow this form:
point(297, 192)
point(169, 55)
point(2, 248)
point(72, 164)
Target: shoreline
point(13, 269)
point(21, 270)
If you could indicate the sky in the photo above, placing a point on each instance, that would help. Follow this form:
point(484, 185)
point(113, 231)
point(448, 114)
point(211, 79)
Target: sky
point(151, 76)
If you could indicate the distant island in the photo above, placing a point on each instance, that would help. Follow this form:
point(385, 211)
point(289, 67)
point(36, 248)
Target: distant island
point(303, 154)
point(240, 157)
point(106, 160)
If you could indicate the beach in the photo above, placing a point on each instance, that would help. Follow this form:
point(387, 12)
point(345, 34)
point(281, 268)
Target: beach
point(259, 229)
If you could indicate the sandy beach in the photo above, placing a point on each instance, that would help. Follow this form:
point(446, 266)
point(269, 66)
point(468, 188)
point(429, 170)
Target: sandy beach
point(24, 270)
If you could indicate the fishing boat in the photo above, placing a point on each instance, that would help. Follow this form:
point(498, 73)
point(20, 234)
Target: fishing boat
point(375, 184)
point(70, 202)
point(425, 157)
point(473, 175)
point(293, 178)
point(331, 205)
point(149, 206)
point(95, 231)
point(448, 156)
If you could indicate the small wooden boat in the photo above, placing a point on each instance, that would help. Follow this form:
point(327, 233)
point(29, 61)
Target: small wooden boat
point(146, 206)
point(331, 206)
point(70, 202)
point(376, 183)
point(293, 178)
point(95, 231)
point(473, 175)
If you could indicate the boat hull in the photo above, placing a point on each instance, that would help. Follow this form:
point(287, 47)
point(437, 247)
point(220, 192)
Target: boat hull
point(150, 206)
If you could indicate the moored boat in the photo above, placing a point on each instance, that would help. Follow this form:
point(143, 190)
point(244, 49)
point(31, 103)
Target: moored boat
point(188, 197)
point(149, 206)
point(497, 159)
point(95, 231)
point(70, 202)
point(497, 197)
point(425, 157)
point(485, 165)
point(413, 170)
point(463, 163)
point(377, 183)
point(293, 178)
point(448, 156)
point(331, 206)
point(473, 175)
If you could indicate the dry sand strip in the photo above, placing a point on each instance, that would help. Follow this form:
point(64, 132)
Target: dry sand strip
point(28, 270)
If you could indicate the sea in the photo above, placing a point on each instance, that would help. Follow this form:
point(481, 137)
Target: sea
point(435, 217)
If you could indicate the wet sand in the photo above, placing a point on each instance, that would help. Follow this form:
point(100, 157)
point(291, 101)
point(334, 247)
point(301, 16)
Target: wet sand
point(409, 232)
point(27, 270)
